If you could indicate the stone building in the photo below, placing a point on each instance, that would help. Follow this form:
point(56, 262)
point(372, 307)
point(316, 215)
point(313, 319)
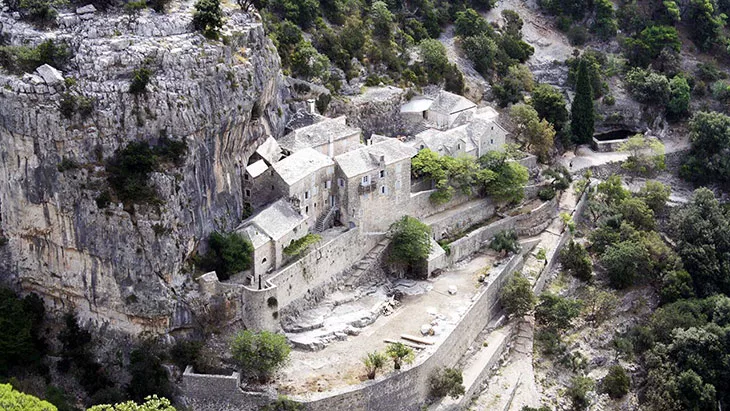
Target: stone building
point(374, 184)
point(445, 111)
point(270, 231)
point(330, 137)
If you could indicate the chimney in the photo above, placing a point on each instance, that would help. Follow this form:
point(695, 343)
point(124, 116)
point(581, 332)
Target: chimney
point(310, 106)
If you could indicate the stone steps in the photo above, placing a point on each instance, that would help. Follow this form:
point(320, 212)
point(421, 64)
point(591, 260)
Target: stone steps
point(365, 264)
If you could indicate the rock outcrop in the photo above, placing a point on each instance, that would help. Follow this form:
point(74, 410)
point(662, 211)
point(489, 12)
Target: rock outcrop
point(125, 269)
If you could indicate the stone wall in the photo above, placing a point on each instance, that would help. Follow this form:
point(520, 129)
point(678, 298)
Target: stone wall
point(420, 205)
point(403, 391)
point(527, 224)
point(477, 212)
point(607, 145)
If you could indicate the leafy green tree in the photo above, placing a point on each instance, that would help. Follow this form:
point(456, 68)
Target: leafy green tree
point(517, 296)
point(482, 50)
point(306, 62)
point(600, 305)
point(604, 25)
point(505, 241)
point(549, 103)
point(374, 361)
point(650, 43)
point(12, 400)
point(400, 353)
point(676, 285)
point(151, 403)
point(228, 254)
point(502, 179)
point(512, 23)
point(582, 112)
point(647, 86)
point(616, 383)
point(655, 195)
point(208, 18)
point(555, 312)
point(636, 212)
point(20, 342)
point(578, 390)
point(576, 261)
point(382, 20)
point(625, 262)
point(702, 234)
point(611, 191)
point(259, 354)
point(446, 381)
point(538, 135)
point(707, 23)
point(679, 95)
point(433, 54)
point(509, 90)
point(710, 144)
point(411, 242)
point(470, 23)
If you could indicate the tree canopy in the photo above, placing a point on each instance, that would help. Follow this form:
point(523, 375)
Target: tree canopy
point(411, 242)
point(582, 112)
point(12, 400)
point(259, 354)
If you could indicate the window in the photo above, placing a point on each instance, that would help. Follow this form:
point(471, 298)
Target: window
point(328, 184)
point(263, 261)
point(382, 173)
point(341, 182)
point(458, 146)
point(245, 176)
point(315, 205)
point(491, 141)
point(383, 190)
point(306, 195)
point(365, 180)
point(248, 193)
point(272, 187)
point(422, 146)
point(306, 209)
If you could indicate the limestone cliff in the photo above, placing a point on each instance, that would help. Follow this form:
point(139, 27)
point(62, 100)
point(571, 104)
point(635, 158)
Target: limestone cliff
point(124, 269)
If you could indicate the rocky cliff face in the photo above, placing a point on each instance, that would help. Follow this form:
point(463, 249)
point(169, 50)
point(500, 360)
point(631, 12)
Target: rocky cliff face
point(124, 269)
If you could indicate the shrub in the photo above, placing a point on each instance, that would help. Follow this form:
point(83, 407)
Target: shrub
point(411, 242)
point(505, 241)
point(400, 353)
point(134, 6)
point(299, 246)
point(446, 381)
point(140, 79)
point(259, 354)
point(151, 403)
point(228, 254)
point(616, 383)
point(555, 312)
point(578, 390)
point(208, 18)
point(149, 376)
point(67, 164)
point(13, 400)
point(185, 352)
point(546, 194)
point(625, 262)
point(576, 261)
point(517, 296)
point(577, 35)
point(158, 5)
point(647, 86)
point(283, 404)
point(373, 362)
point(24, 59)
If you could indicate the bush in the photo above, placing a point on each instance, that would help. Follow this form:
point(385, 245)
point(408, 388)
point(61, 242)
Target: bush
point(576, 261)
point(400, 353)
point(546, 194)
point(67, 164)
point(208, 18)
point(140, 79)
point(577, 35)
point(259, 354)
point(151, 403)
point(149, 376)
point(299, 246)
point(555, 312)
point(373, 362)
point(185, 352)
point(517, 296)
point(411, 242)
point(24, 59)
point(12, 400)
point(647, 86)
point(446, 381)
point(228, 254)
point(578, 390)
point(505, 241)
point(283, 404)
point(616, 383)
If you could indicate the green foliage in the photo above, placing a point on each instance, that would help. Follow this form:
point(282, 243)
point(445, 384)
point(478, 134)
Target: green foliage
point(149, 376)
point(373, 362)
point(518, 80)
point(67, 164)
point(578, 390)
point(71, 104)
point(298, 247)
point(446, 381)
point(646, 155)
point(649, 44)
point(625, 262)
point(679, 95)
point(600, 305)
point(502, 179)
point(470, 23)
point(505, 241)
point(411, 242)
point(400, 353)
point(228, 254)
point(151, 403)
point(582, 112)
point(41, 12)
point(707, 23)
point(24, 59)
point(616, 383)
point(676, 285)
point(134, 6)
point(12, 400)
point(549, 103)
point(20, 342)
point(655, 195)
point(186, 352)
point(576, 261)
point(702, 235)
point(637, 213)
point(517, 296)
point(128, 171)
point(561, 177)
point(140, 80)
point(208, 18)
point(538, 135)
point(259, 354)
point(556, 313)
point(710, 143)
point(604, 25)
point(546, 194)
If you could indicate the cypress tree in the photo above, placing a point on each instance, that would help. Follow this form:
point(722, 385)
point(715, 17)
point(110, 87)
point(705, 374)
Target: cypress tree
point(582, 113)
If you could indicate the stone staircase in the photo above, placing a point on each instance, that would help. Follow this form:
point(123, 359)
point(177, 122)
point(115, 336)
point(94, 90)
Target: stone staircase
point(366, 263)
point(324, 221)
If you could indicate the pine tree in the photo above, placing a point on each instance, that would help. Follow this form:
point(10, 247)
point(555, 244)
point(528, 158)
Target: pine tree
point(582, 112)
